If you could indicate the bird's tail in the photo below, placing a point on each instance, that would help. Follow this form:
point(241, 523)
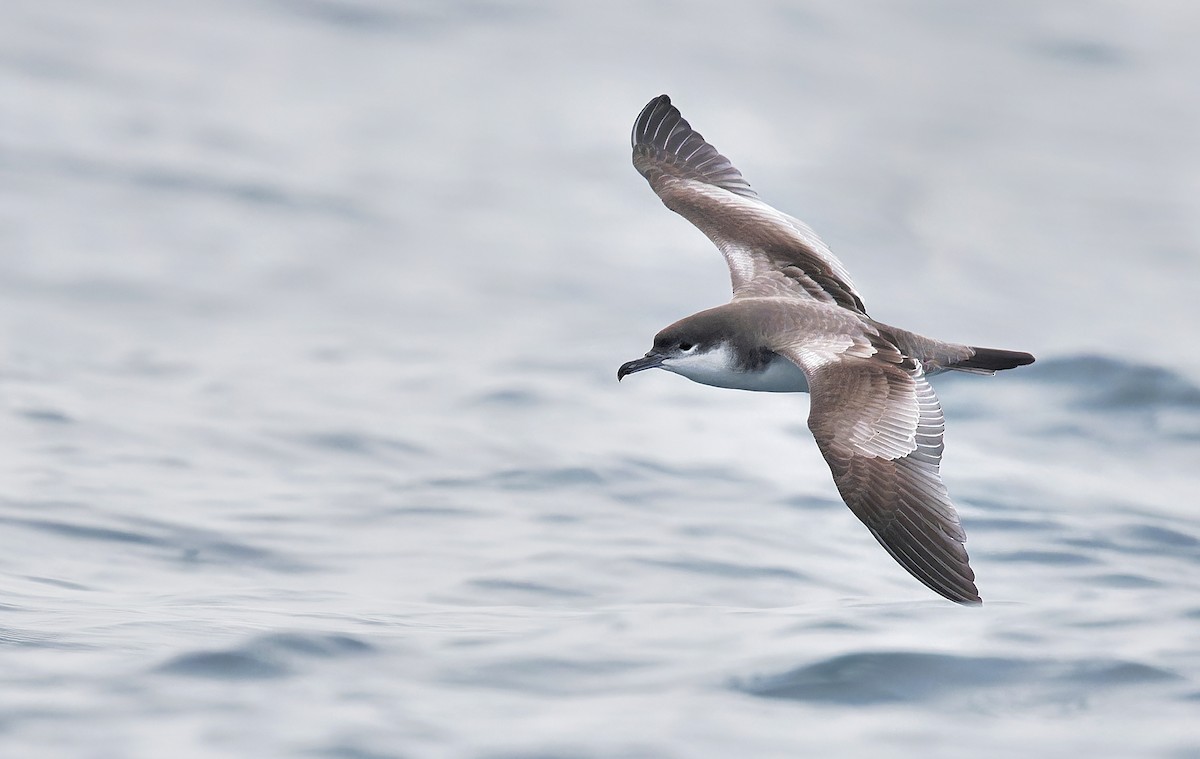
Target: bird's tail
point(991, 360)
point(938, 356)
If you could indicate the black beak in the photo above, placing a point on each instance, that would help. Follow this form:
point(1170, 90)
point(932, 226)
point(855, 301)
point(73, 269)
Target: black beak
point(649, 361)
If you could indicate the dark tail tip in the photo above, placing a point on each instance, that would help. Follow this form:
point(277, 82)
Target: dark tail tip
point(994, 360)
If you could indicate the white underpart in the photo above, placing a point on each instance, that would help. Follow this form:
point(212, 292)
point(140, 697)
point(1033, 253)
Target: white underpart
point(718, 368)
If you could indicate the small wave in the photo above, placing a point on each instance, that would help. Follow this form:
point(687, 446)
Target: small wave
point(1102, 382)
point(724, 569)
point(1140, 539)
point(382, 17)
point(188, 544)
point(906, 676)
point(265, 657)
point(349, 751)
point(1125, 581)
point(86, 532)
point(1084, 52)
point(1058, 558)
point(359, 444)
point(225, 665)
point(317, 645)
point(523, 588)
point(11, 637)
point(1160, 538)
point(528, 479)
point(46, 416)
point(550, 674)
point(355, 16)
point(812, 503)
point(1010, 524)
point(184, 181)
point(511, 398)
point(641, 469)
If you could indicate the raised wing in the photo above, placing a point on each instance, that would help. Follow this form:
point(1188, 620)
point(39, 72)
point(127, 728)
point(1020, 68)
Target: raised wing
point(879, 426)
point(768, 252)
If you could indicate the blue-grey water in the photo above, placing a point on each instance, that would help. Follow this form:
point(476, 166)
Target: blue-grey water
point(310, 438)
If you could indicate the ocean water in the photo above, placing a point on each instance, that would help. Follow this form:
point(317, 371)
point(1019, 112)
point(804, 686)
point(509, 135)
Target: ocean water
point(310, 438)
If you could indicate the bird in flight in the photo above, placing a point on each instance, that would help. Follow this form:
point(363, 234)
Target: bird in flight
point(796, 323)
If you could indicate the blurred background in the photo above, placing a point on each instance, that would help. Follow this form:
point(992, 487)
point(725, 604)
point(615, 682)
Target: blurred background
point(311, 443)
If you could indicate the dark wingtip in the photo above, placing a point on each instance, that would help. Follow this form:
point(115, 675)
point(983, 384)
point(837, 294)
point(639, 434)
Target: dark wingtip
point(641, 123)
point(664, 143)
point(963, 595)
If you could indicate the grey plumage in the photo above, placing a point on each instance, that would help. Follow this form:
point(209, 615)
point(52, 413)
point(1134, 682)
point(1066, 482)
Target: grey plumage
point(874, 415)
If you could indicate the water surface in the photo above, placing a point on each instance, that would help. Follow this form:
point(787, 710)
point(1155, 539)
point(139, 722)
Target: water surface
point(310, 313)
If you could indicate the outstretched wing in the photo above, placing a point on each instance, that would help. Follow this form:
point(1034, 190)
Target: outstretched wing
point(879, 426)
point(768, 252)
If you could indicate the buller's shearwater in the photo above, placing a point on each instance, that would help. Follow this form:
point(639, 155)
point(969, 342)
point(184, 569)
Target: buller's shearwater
point(797, 324)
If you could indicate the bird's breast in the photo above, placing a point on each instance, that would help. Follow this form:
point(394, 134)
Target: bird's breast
point(719, 369)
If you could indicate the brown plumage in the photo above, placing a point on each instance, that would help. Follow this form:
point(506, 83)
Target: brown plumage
point(796, 322)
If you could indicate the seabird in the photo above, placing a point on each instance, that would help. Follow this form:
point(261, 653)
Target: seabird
point(796, 323)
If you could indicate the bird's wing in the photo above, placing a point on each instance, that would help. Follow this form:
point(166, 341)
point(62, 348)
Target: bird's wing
point(768, 252)
point(879, 425)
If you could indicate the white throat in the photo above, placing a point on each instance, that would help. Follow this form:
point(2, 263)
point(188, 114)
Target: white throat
point(719, 368)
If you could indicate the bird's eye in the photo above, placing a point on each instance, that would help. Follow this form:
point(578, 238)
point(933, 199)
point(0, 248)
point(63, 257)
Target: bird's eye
point(685, 347)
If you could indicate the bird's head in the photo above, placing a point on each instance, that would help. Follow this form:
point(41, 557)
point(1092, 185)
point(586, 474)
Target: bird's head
point(688, 345)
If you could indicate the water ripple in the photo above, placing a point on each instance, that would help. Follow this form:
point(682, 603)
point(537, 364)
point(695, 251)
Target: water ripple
point(520, 587)
point(723, 569)
point(905, 676)
point(269, 656)
point(1101, 382)
point(190, 544)
point(359, 444)
point(549, 674)
point(165, 178)
point(46, 416)
point(528, 479)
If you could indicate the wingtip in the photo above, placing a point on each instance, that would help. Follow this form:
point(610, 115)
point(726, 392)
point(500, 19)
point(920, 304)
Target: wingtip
point(664, 142)
point(972, 601)
point(657, 109)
